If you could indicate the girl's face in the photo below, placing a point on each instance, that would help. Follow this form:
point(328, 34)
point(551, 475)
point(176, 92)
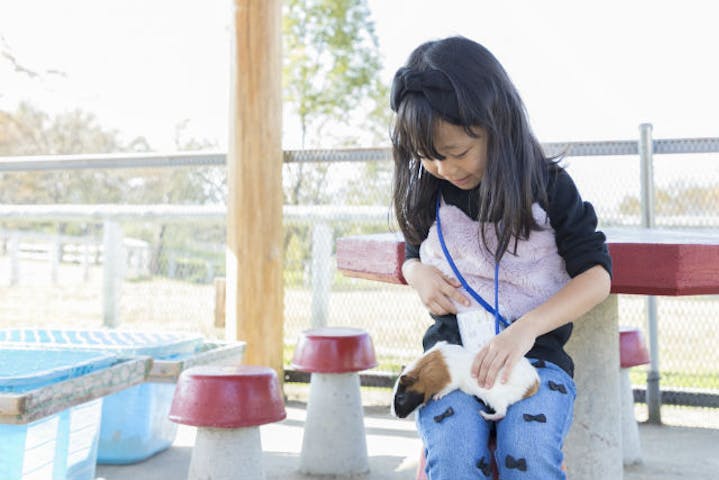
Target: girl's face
point(465, 157)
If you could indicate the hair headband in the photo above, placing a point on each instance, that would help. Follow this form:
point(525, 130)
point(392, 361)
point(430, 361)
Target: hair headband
point(433, 84)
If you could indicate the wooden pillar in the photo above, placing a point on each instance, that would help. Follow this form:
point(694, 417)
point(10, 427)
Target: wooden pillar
point(254, 175)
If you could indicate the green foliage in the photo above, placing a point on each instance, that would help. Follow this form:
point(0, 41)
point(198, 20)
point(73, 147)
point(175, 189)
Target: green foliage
point(677, 200)
point(29, 131)
point(331, 69)
point(197, 270)
point(675, 379)
point(330, 66)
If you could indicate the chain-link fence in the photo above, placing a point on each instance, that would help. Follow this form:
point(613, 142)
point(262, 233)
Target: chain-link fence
point(168, 246)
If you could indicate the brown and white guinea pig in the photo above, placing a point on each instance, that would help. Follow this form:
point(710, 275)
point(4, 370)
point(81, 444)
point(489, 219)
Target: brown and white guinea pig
point(446, 367)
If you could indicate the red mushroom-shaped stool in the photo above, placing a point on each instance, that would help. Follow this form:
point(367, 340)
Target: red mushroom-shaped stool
point(227, 404)
point(334, 438)
point(632, 352)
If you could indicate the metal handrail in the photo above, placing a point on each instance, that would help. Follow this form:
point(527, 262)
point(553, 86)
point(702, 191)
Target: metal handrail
point(292, 214)
point(215, 158)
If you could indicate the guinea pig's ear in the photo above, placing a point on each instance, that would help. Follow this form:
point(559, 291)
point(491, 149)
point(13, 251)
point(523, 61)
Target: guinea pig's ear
point(407, 380)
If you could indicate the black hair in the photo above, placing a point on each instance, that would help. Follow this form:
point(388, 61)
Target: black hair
point(517, 170)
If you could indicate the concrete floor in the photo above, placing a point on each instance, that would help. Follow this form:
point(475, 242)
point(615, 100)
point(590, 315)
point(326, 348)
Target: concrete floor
point(669, 452)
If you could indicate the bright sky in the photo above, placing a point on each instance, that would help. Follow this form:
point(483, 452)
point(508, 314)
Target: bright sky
point(586, 70)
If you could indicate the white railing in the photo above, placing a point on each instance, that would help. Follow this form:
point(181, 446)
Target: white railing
point(119, 252)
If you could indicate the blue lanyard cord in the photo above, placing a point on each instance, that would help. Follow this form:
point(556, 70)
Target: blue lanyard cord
point(494, 311)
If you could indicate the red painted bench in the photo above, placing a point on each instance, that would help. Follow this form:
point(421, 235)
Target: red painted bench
point(648, 262)
point(645, 261)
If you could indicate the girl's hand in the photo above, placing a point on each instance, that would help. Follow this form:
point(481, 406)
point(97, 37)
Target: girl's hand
point(503, 351)
point(434, 288)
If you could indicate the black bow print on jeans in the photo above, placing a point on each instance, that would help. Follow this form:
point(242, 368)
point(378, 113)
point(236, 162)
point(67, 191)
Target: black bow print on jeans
point(484, 467)
point(447, 413)
point(520, 464)
point(558, 387)
point(535, 418)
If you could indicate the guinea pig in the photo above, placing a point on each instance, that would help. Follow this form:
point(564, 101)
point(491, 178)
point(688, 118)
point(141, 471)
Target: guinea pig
point(446, 367)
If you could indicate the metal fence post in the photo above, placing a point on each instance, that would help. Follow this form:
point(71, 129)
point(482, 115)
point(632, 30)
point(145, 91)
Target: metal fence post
point(86, 260)
point(14, 247)
point(112, 272)
point(321, 273)
point(171, 265)
point(55, 253)
point(646, 149)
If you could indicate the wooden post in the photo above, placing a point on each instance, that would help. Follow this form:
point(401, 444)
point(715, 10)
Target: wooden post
point(321, 273)
point(220, 299)
point(14, 247)
point(55, 254)
point(113, 265)
point(86, 258)
point(254, 174)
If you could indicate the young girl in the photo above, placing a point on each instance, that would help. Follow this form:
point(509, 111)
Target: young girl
point(500, 248)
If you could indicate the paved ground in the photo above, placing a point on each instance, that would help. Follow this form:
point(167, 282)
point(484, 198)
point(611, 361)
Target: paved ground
point(669, 452)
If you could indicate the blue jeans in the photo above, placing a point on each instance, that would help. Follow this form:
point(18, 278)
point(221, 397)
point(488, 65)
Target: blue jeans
point(528, 440)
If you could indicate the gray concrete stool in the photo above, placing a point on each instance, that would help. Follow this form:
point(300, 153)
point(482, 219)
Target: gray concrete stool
point(632, 352)
point(334, 437)
point(227, 404)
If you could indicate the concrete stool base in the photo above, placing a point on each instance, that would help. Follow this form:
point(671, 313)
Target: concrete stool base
point(227, 405)
point(632, 353)
point(631, 448)
point(227, 454)
point(334, 438)
point(593, 447)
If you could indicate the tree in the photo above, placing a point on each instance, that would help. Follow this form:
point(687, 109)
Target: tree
point(196, 185)
point(331, 65)
point(8, 57)
point(331, 69)
point(29, 131)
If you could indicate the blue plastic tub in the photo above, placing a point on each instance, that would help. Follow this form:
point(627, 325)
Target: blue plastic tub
point(156, 345)
point(23, 369)
point(135, 423)
point(60, 446)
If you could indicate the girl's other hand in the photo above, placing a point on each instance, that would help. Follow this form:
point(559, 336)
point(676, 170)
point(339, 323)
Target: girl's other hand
point(436, 290)
point(503, 351)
